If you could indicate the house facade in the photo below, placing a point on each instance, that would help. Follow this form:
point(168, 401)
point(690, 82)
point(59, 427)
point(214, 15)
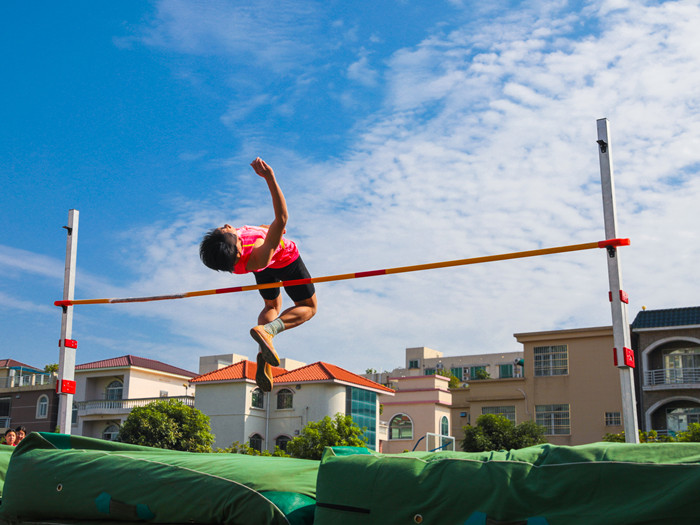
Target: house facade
point(27, 397)
point(240, 412)
point(667, 343)
point(107, 391)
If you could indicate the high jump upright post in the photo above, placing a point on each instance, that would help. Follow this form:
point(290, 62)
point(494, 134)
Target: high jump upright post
point(623, 354)
point(65, 386)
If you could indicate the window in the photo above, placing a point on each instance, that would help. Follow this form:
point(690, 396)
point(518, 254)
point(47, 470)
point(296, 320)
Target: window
point(551, 360)
point(457, 372)
point(613, 419)
point(282, 441)
point(401, 427)
point(478, 372)
point(256, 442)
point(114, 390)
point(682, 365)
point(285, 399)
point(554, 418)
point(444, 426)
point(413, 363)
point(678, 419)
point(430, 371)
point(42, 407)
point(505, 371)
point(258, 400)
point(163, 393)
point(111, 433)
point(507, 411)
point(5, 411)
point(74, 414)
point(361, 405)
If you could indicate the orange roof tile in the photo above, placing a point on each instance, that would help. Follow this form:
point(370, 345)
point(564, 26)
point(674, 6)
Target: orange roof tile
point(321, 371)
point(237, 371)
point(315, 372)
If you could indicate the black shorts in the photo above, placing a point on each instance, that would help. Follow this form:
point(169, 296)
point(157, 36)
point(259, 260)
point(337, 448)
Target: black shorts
point(291, 272)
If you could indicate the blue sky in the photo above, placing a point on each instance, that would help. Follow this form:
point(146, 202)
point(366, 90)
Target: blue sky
point(401, 133)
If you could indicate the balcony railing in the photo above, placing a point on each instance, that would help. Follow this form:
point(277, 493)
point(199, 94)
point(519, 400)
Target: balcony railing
point(125, 405)
point(26, 380)
point(672, 376)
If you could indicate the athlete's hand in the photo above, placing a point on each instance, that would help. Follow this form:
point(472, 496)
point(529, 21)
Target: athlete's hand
point(262, 168)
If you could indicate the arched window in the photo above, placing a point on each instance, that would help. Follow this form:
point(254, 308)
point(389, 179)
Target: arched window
point(258, 399)
point(110, 433)
point(42, 407)
point(74, 414)
point(444, 426)
point(256, 442)
point(401, 427)
point(114, 390)
point(285, 399)
point(282, 441)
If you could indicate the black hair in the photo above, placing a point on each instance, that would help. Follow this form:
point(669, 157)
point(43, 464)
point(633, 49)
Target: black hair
point(21, 428)
point(218, 250)
point(10, 430)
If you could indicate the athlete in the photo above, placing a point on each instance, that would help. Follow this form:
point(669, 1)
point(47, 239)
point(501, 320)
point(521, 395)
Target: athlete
point(272, 258)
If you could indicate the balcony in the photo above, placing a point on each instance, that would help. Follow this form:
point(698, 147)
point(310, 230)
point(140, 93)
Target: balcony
point(673, 378)
point(123, 406)
point(35, 380)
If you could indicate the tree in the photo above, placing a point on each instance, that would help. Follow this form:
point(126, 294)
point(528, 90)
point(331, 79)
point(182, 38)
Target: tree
point(314, 437)
point(454, 380)
point(244, 448)
point(497, 432)
point(53, 367)
point(168, 424)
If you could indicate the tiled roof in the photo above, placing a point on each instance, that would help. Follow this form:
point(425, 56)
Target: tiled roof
point(237, 371)
point(132, 360)
point(670, 317)
point(321, 371)
point(11, 363)
point(314, 372)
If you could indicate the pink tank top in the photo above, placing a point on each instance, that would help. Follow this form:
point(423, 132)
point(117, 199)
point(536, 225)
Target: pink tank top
point(285, 254)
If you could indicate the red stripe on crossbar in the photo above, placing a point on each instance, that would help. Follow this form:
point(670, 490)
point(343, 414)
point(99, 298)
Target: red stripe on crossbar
point(229, 290)
point(614, 242)
point(370, 273)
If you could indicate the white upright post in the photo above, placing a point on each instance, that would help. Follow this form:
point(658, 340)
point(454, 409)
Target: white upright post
point(623, 354)
point(66, 362)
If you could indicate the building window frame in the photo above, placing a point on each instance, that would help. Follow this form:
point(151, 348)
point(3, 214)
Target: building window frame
point(257, 399)
point(285, 399)
point(400, 427)
point(555, 418)
point(414, 363)
point(551, 360)
point(114, 390)
point(42, 407)
point(282, 441)
point(507, 411)
point(256, 442)
point(110, 432)
point(613, 419)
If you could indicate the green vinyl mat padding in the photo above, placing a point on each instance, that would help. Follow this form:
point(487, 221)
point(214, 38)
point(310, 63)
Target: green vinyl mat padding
point(54, 477)
point(601, 483)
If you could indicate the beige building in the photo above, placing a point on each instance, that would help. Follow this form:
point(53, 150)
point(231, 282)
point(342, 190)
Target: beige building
point(572, 387)
point(106, 392)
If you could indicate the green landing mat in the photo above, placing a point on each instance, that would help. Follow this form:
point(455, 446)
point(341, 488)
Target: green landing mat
point(64, 479)
point(596, 484)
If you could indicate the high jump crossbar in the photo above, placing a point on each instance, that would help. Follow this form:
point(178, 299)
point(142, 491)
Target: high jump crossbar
point(609, 244)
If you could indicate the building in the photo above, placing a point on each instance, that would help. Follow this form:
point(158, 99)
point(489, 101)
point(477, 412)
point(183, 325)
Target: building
point(420, 407)
point(572, 387)
point(107, 391)
point(27, 397)
point(240, 412)
point(667, 343)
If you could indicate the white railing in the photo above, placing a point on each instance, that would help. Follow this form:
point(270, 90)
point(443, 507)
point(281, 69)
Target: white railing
point(26, 380)
point(126, 404)
point(672, 376)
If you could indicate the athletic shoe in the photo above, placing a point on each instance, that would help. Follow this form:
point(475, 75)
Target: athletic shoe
point(263, 375)
point(264, 339)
